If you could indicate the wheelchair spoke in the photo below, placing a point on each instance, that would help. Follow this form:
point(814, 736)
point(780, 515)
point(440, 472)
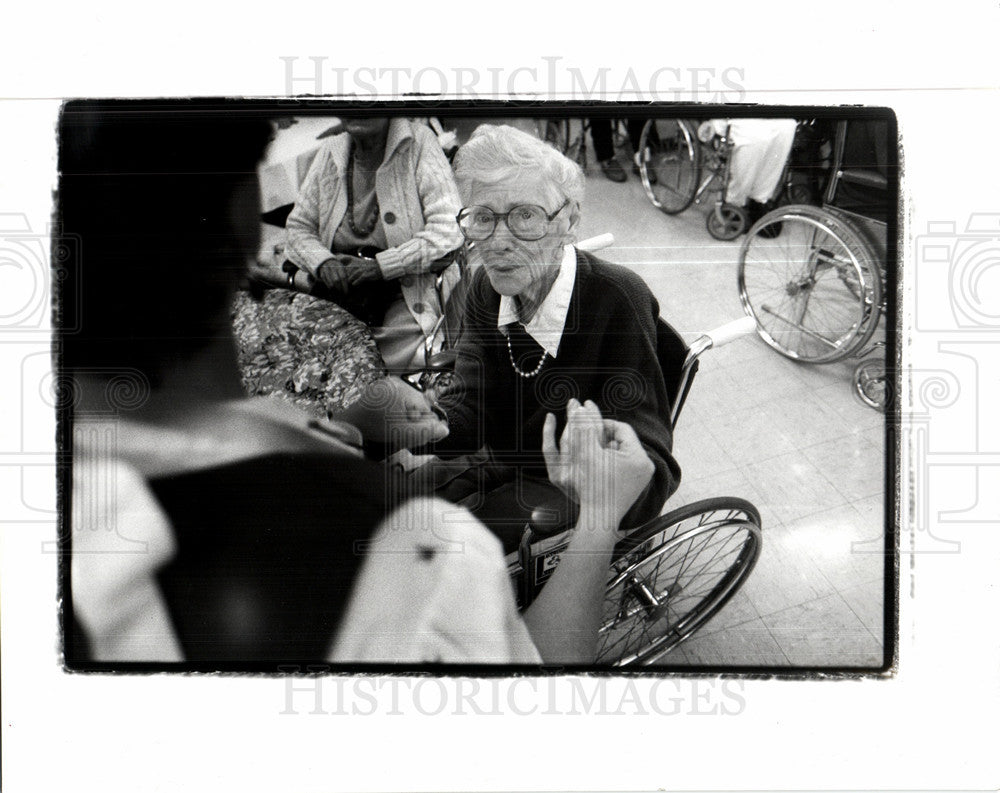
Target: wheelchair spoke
point(662, 589)
point(671, 166)
point(815, 266)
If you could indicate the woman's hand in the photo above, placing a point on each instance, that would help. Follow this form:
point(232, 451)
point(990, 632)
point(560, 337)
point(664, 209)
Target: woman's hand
point(599, 462)
point(267, 273)
point(333, 275)
point(394, 413)
point(360, 270)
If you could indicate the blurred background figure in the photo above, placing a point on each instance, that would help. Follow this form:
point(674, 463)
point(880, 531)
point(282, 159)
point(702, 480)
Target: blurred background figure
point(761, 150)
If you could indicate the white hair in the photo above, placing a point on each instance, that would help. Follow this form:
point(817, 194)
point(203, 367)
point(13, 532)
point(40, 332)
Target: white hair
point(496, 153)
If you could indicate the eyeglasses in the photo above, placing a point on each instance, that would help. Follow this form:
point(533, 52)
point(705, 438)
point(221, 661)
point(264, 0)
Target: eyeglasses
point(527, 222)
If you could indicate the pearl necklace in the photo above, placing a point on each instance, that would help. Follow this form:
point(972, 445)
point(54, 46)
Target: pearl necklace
point(533, 372)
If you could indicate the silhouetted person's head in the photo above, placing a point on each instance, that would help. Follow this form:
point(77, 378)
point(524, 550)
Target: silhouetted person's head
point(165, 206)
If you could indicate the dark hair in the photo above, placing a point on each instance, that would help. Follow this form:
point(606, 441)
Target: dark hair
point(146, 212)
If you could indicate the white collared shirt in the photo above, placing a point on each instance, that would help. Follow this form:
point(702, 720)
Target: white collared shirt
point(549, 322)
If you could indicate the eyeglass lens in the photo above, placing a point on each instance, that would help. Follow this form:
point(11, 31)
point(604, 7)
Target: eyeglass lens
point(526, 222)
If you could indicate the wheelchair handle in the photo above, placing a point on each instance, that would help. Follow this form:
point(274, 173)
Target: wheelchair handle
point(717, 337)
point(732, 331)
point(592, 244)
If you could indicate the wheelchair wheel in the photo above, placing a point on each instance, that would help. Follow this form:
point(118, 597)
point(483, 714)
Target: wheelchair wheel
point(555, 132)
point(670, 163)
point(874, 301)
point(871, 383)
point(673, 575)
point(726, 222)
point(812, 283)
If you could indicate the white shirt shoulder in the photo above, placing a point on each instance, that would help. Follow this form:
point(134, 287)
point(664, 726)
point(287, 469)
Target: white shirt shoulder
point(434, 589)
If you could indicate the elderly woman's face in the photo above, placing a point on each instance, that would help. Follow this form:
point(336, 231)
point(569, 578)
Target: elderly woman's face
point(366, 127)
point(515, 266)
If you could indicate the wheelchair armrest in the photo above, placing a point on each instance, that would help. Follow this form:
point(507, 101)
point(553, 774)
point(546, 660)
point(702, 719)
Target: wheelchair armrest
point(438, 266)
point(553, 517)
point(442, 361)
point(864, 177)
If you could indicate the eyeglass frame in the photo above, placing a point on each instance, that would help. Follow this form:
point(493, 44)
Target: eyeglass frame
point(505, 216)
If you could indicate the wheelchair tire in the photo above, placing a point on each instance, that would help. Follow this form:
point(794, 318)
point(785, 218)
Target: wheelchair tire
point(555, 132)
point(671, 155)
point(671, 576)
point(726, 222)
point(871, 383)
point(875, 299)
point(814, 288)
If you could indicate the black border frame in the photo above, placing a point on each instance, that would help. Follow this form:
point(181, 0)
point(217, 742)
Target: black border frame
point(486, 109)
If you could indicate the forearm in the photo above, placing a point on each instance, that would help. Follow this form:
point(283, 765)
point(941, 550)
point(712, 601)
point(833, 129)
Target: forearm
point(418, 254)
point(465, 401)
point(303, 246)
point(303, 243)
point(566, 615)
point(665, 481)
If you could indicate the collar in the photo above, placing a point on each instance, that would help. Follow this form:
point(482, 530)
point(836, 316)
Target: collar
point(400, 131)
point(547, 325)
point(229, 432)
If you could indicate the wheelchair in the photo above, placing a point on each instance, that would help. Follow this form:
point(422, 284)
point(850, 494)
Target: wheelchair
point(668, 577)
point(813, 278)
point(681, 162)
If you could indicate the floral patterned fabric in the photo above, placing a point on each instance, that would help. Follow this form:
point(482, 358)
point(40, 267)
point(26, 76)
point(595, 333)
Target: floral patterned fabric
point(304, 349)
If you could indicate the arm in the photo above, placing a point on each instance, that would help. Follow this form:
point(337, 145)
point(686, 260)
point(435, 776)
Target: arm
point(649, 414)
point(604, 463)
point(440, 203)
point(303, 245)
point(465, 400)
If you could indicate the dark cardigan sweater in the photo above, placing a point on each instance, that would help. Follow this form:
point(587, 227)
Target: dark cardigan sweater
point(608, 354)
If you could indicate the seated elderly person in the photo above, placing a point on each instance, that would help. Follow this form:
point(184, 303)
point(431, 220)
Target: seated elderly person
point(373, 220)
point(761, 147)
point(214, 529)
point(544, 323)
point(370, 233)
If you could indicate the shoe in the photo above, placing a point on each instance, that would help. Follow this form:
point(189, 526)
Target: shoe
point(613, 170)
point(650, 173)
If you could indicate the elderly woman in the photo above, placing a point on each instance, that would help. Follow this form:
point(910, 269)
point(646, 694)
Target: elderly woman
point(372, 227)
point(373, 220)
point(545, 323)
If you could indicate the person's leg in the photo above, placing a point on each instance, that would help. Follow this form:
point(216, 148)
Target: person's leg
point(600, 134)
point(604, 149)
point(774, 155)
point(634, 127)
point(399, 338)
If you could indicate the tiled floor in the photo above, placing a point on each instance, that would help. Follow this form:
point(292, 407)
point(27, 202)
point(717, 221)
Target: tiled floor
point(790, 438)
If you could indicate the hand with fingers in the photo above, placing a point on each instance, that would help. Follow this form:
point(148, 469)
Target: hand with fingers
point(598, 462)
point(359, 270)
point(395, 413)
point(332, 274)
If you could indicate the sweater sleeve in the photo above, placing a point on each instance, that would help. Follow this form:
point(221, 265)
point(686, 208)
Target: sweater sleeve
point(636, 393)
point(463, 401)
point(303, 245)
point(440, 203)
